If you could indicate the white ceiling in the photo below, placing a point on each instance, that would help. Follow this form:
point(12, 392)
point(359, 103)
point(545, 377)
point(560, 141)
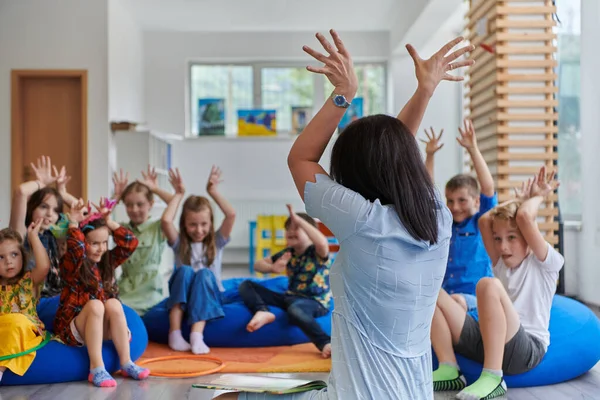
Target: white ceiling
point(269, 15)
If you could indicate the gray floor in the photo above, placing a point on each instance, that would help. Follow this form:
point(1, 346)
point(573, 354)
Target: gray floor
point(584, 387)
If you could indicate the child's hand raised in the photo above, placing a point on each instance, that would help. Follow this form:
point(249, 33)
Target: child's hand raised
point(176, 181)
point(280, 265)
point(525, 191)
point(149, 178)
point(33, 230)
point(432, 144)
point(43, 171)
point(213, 179)
point(544, 183)
point(105, 208)
point(78, 211)
point(120, 182)
point(467, 138)
point(338, 67)
point(61, 179)
point(432, 71)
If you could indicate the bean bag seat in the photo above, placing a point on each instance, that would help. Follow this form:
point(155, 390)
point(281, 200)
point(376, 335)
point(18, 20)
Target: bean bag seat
point(56, 362)
point(574, 348)
point(230, 331)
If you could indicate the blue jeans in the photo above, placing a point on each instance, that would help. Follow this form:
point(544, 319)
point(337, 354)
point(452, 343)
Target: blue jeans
point(301, 311)
point(198, 294)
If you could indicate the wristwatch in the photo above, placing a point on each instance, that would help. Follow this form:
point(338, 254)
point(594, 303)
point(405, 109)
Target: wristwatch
point(339, 100)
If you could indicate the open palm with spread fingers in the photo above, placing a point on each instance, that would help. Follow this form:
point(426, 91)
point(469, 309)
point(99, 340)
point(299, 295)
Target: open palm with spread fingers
point(467, 138)
point(433, 142)
point(149, 178)
point(176, 181)
point(544, 183)
point(338, 66)
point(435, 69)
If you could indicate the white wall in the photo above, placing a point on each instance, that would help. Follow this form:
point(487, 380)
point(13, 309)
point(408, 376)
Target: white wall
point(125, 65)
point(444, 110)
point(57, 34)
point(167, 56)
point(589, 271)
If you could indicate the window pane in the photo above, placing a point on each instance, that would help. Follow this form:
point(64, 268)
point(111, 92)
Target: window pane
point(569, 84)
point(284, 88)
point(230, 82)
point(371, 87)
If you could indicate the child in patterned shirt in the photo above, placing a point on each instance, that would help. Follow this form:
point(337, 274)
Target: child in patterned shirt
point(306, 262)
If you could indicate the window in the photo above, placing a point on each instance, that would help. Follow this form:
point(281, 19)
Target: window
point(569, 128)
point(233, 83)
point(371, 87)
point(278, 87)
point(284, 88)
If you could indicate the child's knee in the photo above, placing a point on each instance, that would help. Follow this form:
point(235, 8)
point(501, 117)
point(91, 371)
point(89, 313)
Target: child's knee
point(487, 286)
point(94, 307)
point(460, 299)
point(113, 306)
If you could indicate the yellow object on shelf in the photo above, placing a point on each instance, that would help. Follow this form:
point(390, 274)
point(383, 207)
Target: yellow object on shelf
point(270, 237)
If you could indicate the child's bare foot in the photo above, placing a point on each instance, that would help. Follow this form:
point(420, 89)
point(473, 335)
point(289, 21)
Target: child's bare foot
point(326, 352)
point(260, 319)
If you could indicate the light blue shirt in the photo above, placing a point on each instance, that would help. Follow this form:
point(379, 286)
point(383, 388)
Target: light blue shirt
point(385, 285)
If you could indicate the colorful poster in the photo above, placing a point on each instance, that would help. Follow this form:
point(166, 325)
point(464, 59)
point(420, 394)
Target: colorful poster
point(354, 112)
point(257, 122)
point(300, 118)
point(211, 117)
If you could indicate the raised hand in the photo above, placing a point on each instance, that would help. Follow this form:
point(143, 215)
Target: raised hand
point(432, 142)
point(149, 178)
point(467, 138)
point(61, 179)
point(338, 67)
point(78, 211)
point(432, 71)
point(120, 183)
point(524, 192)
point(43, 171)
point(544, 183)
point(104, 208)
point(33, 230)
point(213, 179)
point(280, 265)
point(176, 181)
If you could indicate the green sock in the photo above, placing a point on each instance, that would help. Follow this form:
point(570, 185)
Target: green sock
point(488, 386)
point(448, 377)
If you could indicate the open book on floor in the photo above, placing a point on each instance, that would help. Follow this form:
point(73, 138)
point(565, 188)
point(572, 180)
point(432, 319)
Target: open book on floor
point(258, 384)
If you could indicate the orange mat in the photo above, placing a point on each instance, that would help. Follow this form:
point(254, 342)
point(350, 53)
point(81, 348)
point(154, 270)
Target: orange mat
point(298, 358)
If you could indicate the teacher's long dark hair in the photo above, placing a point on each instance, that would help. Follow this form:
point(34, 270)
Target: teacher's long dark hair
point(378, 157)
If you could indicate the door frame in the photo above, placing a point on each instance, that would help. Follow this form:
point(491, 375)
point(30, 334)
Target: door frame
point(17, 75)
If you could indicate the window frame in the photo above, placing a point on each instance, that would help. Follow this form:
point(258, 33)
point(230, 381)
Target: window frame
point(257, 66)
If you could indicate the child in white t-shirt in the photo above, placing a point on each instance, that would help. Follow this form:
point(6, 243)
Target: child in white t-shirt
point(512, 335)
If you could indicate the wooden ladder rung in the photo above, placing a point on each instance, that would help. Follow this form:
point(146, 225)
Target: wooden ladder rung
point(525, 50)
point(527, 103)
point(524, 37)
point(527, 117)
point(502, 156)
point(528, 130)
point(506, 77)
point(526, 63)
point(526, 10)
point(501, 89)
point(525, 23)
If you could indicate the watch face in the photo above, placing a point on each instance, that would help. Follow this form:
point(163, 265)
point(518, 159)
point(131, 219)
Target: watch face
point(339, 100)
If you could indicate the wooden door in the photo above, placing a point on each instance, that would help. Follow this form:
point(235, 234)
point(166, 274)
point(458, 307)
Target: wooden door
point(49, 117)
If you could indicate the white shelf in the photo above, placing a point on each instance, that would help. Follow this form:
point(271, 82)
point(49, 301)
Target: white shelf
point(226, 138)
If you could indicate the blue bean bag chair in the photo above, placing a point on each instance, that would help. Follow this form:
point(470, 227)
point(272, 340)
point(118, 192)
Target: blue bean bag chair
point(574, 348)
point(230, 331)
point(56, 362)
